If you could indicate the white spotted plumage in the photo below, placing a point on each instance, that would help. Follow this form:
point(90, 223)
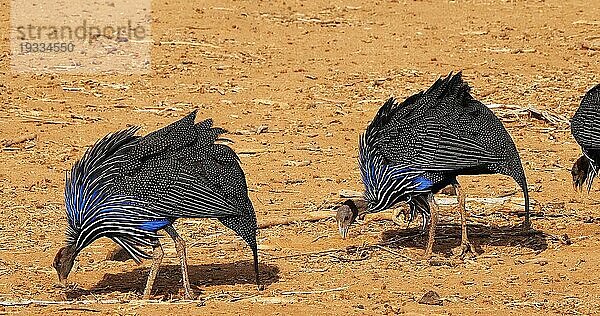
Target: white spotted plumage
point(127, 187)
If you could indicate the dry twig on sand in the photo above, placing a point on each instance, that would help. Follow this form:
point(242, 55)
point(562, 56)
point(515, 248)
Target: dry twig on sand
point(312, 217)
point(20, 139)
point(316, 291)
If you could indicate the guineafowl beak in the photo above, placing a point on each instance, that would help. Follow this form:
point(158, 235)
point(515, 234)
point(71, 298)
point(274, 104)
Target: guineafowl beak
point(343, 231)
point(63, 263)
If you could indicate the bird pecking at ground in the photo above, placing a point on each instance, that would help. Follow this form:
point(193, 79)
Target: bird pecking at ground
point(128, 187)
point(585, 127)
point(412, 150)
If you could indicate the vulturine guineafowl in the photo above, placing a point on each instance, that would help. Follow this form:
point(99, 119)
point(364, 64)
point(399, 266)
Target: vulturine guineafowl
point(585, 127)
point(411, 150)
point(128, 187)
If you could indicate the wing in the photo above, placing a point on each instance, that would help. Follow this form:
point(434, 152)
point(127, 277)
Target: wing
point(176, 190)
point(173, 139)
point(585, 125)
point(176, 170)
point(437, 130)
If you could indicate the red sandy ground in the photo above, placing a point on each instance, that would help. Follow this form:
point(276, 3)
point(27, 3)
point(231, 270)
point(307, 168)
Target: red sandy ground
point(314, 73)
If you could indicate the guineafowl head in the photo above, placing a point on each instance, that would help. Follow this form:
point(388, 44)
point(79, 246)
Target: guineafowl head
point(63, 262)
point(580, 172)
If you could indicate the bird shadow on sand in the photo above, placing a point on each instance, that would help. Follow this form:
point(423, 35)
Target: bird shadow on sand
point(168, 282)
point(448, 237)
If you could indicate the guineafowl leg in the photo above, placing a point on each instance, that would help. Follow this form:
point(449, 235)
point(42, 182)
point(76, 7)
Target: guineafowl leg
point(181, 253)
point(465, 245)
point(433, 220)
point(157, 256)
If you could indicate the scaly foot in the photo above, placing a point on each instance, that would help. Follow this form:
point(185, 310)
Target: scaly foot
point(188, 296)
point(396, 213)
point(146, 295)
point(526, 226)
point(465, 249)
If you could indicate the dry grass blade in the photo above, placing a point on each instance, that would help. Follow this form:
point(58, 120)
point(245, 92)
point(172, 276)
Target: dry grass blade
point(313, 217)
point(392, 251)
point(189, 44)
point(316, 291)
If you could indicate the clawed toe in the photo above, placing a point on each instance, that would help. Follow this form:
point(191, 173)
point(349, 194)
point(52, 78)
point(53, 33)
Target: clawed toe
point(526, 226)
point(396, 218)
point(465, 250)
point(398, 222)
point(188, 293)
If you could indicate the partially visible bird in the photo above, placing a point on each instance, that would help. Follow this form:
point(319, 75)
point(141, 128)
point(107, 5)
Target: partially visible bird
point(585, 127)
point(128, 187)
point(411, 150)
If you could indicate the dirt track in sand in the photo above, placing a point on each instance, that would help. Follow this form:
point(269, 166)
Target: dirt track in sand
point(315, 73)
